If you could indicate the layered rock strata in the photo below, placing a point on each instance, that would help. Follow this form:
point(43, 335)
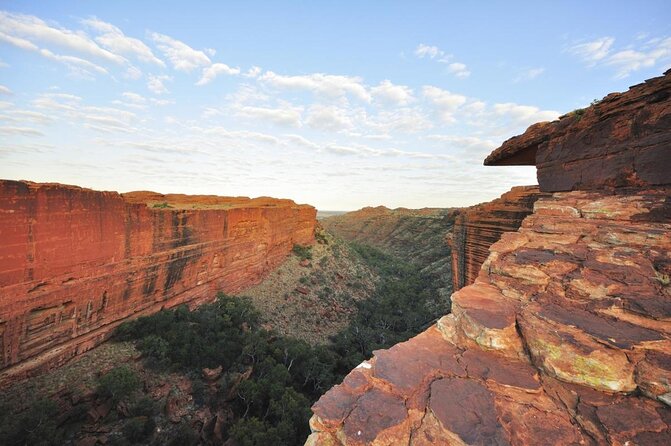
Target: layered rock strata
point(621, 141)
point(477, 227)
point(564, 338)
point(74, 263)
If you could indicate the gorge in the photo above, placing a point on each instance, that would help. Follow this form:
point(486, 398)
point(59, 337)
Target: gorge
point(559, 331)
point(563, 338)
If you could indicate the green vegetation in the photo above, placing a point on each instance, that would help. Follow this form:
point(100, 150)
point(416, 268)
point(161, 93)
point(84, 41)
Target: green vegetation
point(163, 205)
point(303, 252)
point(118, 383)
point(268, 382)
point(38, 425)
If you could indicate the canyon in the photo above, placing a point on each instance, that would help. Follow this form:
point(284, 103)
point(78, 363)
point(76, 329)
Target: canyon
point(564, 335)
point(75, 263)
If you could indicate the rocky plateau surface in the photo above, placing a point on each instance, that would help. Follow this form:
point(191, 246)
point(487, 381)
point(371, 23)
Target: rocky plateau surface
point(74, 263)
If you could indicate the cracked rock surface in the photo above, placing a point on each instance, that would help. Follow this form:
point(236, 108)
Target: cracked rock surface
point(563, 339)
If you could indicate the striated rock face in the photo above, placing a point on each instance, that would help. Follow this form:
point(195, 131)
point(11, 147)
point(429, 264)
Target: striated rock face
point(623, 141)
point(477, 227)
point(74, 263)
point(414, 235)
point(564, 338)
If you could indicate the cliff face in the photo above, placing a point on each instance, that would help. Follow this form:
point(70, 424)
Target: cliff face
point(623, 141)
point(414, 235)
point(477, 227)
point(565, 336)
point(74, 263)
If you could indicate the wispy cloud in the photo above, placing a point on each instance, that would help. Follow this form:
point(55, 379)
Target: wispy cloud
point(113, 39)
point(319, 83)
point(34, 29)
point(155, 84)
point(181, 56)
point(529, 74)
point(214, 70)
point(643, 54)
point(458, 69)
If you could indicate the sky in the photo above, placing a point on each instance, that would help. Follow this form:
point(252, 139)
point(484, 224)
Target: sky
point(336, 104)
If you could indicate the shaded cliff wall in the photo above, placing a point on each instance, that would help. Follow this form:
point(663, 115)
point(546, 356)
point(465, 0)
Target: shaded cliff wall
point(74, 262)
point(414, 235)
point(477, 227)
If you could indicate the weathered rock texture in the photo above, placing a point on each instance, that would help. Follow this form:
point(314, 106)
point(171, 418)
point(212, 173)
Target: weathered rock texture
point(414, 235)
point(622, 141)
point(565, 336)
point(477, 227)
point(74, 263)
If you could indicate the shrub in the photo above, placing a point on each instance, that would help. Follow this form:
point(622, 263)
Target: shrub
point(118, 383)
point(303, 252)
point(138, 428)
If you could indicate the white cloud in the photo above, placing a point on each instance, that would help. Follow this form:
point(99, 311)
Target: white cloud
point(328, 118)
point(78, 66)
point(215, 70)
point(21, 131)
point(253, 72)
point(529, 74)
point(594, 51)
point(181, 56)
point(523, 114)
point(445, 102)
point(34, 29)
point(647, 54)
point(133, 73)
point(116, 41)
point(134, 97)
point(5, 90)
point(155, 84)
point(404, 120)
point(387, 92)
point(428, 51)
point(459, 69)
point(288, 116)
point(319, 83)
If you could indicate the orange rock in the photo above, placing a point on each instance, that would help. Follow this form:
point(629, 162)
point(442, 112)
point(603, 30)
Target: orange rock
point(478, 227)
point(75, 263)
point(622, 141)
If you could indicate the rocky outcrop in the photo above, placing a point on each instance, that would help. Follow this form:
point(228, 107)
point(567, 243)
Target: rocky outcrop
point(413, 235)
point(477, 227)
point(621, 141)
point(564, 338)
point(74, 263)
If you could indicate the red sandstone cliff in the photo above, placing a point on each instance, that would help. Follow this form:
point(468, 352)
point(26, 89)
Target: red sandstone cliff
point(74, 263)
point(565, 336)
point(477, 227)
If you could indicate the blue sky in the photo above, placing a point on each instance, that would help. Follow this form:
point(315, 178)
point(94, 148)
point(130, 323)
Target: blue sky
point(338, 104)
